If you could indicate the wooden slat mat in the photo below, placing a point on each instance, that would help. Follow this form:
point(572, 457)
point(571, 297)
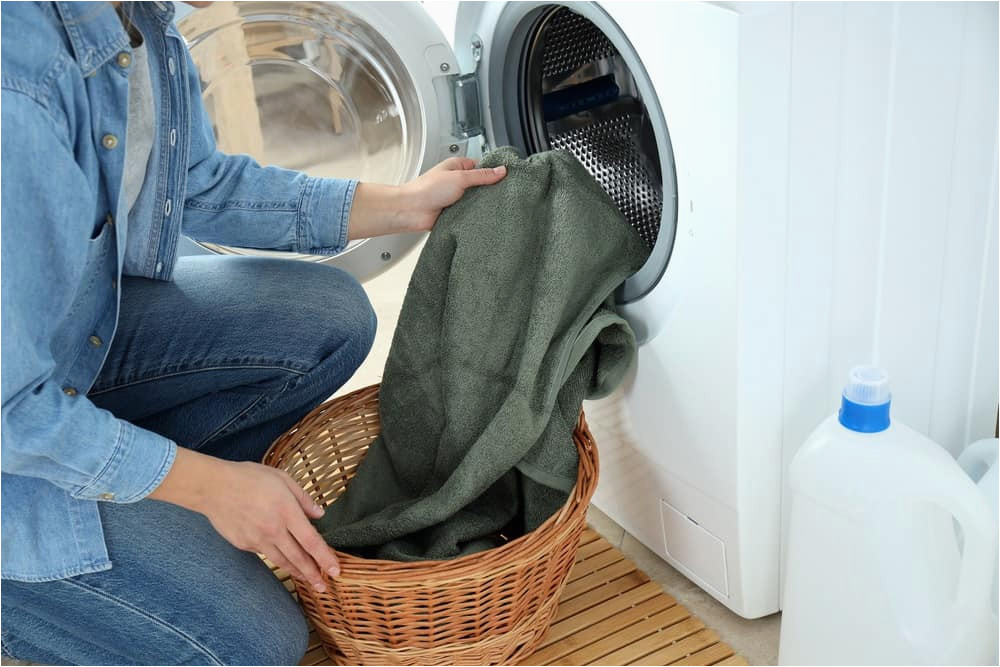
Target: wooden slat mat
point(610, 613)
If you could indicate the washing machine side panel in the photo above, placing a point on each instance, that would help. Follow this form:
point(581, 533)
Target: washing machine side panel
point(765, 61)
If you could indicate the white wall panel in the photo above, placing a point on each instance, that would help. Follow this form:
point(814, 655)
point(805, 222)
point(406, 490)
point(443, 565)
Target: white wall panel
point(983, 395)
point(892, 142)
point(814, 154)
point(920, 161)
point(890, 253)
point(968, 226)
point(861, 173)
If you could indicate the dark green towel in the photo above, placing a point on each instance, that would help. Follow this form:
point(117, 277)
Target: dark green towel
point(508, 324)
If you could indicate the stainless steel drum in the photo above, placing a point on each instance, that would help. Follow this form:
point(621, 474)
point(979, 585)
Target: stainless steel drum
point(580, 95)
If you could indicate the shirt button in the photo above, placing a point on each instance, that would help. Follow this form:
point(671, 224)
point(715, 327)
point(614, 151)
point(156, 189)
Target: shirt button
point(107, 496)
point(159, 266)
point(69, 391)
point(167, 207)
point(173, 136)
point(95, 341)
point(109, 219)
point(114, 283)
point(171, 67)
point(124, 59)
point(109, 141)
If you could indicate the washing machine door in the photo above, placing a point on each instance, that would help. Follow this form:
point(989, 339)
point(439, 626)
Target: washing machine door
point(571, 75)
point(351, 90)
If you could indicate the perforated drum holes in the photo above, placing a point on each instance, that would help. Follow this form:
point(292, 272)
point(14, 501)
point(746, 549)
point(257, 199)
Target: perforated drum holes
point(610, 133)
point(572, 42)
point(610, 153)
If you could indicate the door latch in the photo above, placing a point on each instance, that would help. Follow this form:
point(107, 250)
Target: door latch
point(465, 99)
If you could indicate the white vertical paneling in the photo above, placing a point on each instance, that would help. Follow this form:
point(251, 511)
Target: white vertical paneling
point(867, 63)
point(968, 225)
point(983, 395)
point(814, 151)
point(922, 134)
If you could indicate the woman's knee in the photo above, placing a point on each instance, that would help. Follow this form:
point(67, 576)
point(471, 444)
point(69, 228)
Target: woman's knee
point(269, 635)
point(302, 312)
point(339, 316)
point(358, 310)
point(255, 623)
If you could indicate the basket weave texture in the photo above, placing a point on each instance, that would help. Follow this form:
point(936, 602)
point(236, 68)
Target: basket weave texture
point(488, 608)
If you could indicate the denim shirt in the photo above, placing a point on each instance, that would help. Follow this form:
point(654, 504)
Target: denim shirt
point(66, 241)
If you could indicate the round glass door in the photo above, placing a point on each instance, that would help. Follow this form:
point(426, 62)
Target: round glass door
point(306, 86)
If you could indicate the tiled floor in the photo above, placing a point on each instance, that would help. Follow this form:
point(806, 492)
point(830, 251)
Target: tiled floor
point(756, 640)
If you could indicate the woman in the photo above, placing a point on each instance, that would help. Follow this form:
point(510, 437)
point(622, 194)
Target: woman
point(140, 389)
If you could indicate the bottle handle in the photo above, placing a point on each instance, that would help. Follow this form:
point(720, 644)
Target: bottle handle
point(954, 492)
point(979, 549)
point(978, 457)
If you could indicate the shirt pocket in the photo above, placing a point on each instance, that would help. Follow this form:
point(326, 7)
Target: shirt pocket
point(100, 227)
point(85, 261)
point(100, 245)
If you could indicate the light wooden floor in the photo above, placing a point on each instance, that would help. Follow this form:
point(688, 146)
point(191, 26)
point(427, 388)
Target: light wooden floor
point(611, 613)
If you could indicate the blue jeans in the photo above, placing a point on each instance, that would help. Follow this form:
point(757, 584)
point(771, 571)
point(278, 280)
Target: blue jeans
point(223, 360)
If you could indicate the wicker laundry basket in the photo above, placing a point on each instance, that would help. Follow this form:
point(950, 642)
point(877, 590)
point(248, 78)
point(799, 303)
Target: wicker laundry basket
point(489, 608)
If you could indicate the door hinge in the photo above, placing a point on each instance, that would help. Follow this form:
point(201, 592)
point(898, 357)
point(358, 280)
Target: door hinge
point(465, 99)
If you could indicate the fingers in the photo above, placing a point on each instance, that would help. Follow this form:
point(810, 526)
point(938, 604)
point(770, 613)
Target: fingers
point(308, 505)
point(469, 176)
point(307, 537)
point(474, 177)
point(314, 545)
point(303, 562)
point(278, 558)
point(455, 164)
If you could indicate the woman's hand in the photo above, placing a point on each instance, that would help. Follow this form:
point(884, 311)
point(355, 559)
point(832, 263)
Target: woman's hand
point(443, 185)
point(415, 206)
point(255, 508)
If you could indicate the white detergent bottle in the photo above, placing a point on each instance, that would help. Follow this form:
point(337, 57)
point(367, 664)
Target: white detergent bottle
point(981, 462)
point(888, 547)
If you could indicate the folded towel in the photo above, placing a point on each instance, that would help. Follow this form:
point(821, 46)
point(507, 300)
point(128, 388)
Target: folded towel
point(508, 324)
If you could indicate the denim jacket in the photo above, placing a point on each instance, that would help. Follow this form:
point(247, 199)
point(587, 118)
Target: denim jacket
point(66, 240)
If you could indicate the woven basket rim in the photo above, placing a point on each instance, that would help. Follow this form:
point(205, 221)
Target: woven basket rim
point(358, 571)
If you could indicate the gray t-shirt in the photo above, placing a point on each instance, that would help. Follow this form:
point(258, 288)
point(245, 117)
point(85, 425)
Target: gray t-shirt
point(140, 130)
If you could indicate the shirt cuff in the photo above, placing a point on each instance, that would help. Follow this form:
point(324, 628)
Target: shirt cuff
point(324, 212)
point(139, 462)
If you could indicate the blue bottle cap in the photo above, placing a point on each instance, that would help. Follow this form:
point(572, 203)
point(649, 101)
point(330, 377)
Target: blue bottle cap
point(864, 406)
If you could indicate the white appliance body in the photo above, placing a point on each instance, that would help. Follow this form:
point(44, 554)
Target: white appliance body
point(836, 203)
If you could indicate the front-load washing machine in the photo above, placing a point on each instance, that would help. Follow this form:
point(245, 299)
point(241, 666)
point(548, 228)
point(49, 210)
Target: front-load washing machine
point(767, 154)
